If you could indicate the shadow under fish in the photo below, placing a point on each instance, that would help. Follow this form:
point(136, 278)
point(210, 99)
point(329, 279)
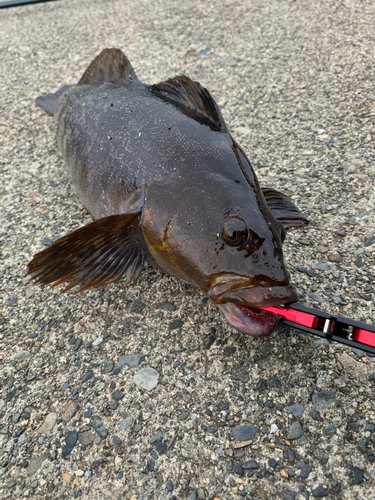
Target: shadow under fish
point(159, 170)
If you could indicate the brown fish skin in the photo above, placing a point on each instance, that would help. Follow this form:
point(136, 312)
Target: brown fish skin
point(158, 168)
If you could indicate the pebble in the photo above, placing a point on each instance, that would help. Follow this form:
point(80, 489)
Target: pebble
point(358, 261)
point(320, 492)
point(355, 368)
point(146, 378)
point(274, 382)
point(362, 445)
point(15, 417)
point(70, 410)
point(304, 468)
point(86, 438)
point(126, 423)
point(35, 464)
point(131, 360)
point(289, 494)
point(177, 323)
point(321, 266)
point(87, 377)
point(155, 437)
point(335, 257)
point(183, 415)
point(161, 447)
point(320, 455)
point(115, 440)
point(47, 242)
point(290, 456)
point(137, 307)
point(21, 356)
point(70, 442)
point(117, 395)
point(48, 424)
point(316, 297)
point(66, 477)
point(99, 386)
point(296, 410)
point(273, 428)
point(108, 367)
point(329, 431)
point(295, 431)
point(230, 350)
point(323, 400)
point(244, 432)
point(242, 377)
point(252, 464)
point(315, 415)
point(212, 428)
point(97, 342)
point(99, 426)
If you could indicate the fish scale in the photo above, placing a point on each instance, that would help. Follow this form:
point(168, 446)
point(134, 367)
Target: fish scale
point(159, 171)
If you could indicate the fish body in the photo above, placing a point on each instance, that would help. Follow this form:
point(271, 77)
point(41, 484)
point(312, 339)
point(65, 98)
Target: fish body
point(159, 171)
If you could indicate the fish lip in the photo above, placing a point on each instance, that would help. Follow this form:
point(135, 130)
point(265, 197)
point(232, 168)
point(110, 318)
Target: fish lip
point(252, 294)
point(256, 323)
point(240, 304)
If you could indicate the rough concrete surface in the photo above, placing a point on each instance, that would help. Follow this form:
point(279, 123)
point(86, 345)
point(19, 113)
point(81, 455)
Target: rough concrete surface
point(224, 416)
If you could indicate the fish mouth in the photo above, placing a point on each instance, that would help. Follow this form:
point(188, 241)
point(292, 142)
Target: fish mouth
point(249, 320)
point(240, 304)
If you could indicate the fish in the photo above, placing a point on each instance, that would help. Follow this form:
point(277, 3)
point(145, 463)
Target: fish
point(165, 181)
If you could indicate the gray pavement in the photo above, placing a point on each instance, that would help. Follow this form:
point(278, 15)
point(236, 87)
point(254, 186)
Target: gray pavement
point(295, 83)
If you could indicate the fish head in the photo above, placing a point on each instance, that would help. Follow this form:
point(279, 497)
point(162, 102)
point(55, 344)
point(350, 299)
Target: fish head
point(217, 232)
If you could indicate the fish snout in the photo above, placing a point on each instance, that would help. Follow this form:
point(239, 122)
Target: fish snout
point(261, 296)
point(254, 296)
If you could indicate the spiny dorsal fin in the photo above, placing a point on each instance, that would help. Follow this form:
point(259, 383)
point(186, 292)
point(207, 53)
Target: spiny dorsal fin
point(185, 93)
point(93, 255)
point(283, 209)
point(110, 65)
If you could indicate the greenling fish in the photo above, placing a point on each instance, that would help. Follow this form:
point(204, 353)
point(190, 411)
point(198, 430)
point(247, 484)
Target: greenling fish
point(159, 171)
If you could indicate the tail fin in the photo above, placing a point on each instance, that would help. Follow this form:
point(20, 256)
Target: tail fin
point(47, 102)
point(110, 65)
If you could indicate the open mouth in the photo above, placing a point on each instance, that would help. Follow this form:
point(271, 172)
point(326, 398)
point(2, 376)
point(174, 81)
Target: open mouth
point(249, 320)
point(240, 306)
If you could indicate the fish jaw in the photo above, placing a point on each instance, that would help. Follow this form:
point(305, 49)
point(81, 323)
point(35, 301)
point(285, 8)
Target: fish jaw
point(239, 305)
point(249, 320)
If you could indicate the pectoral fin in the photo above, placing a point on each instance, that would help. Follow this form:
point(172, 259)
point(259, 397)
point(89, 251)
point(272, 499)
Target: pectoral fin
point(94, 255)
point(283, 209)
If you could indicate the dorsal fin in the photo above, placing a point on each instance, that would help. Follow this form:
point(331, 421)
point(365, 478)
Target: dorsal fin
point(185, 93)
point(110, 65)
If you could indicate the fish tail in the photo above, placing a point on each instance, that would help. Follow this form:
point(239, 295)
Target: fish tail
point(47, 102)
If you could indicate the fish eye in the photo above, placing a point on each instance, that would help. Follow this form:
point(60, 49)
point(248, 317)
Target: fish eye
point(235, 231)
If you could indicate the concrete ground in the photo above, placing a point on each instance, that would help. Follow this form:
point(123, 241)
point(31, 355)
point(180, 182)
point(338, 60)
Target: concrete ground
point(288, 417)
